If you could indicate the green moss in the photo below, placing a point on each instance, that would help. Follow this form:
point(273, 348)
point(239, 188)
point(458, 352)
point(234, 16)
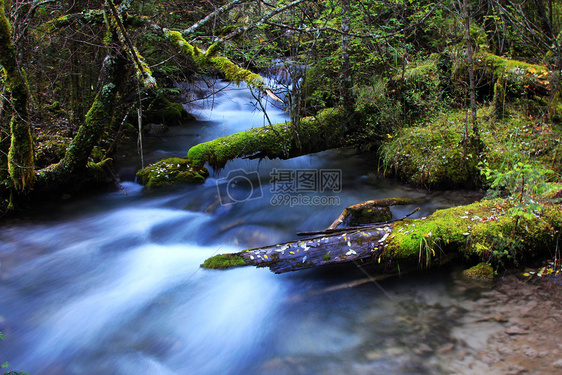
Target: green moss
point(233, 72)
point(224, 261)
point(318, 133)
point(433, 155)
point(176, 38)
point(502, 65)
point(485, 230)
point(172, 171)
point(166, 111)
point(482, 271)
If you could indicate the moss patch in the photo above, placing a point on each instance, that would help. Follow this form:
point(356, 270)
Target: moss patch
point(482, 271)
point(224, 261)
point(433, 155)
point(172, 171)
point(162, 110)
point(486, 230)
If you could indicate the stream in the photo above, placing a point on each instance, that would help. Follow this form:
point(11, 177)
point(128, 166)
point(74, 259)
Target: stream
point(111, 283)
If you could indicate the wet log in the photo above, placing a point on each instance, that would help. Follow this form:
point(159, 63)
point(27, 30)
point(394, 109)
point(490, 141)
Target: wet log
point(475, 231)
point(334, 245)
point(335, 248)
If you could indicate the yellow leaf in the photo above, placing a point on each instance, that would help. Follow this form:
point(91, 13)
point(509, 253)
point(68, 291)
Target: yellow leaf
point(532, 70)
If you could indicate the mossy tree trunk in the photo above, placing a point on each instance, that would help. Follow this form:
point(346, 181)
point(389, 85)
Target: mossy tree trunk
point(20, 155)
point(75, 164)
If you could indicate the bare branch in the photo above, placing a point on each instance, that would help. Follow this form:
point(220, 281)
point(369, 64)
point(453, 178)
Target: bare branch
point(224, 8)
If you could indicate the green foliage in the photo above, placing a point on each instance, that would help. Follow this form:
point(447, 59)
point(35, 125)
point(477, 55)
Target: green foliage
point(5, 364)
point(326, 257)
point(518, 181)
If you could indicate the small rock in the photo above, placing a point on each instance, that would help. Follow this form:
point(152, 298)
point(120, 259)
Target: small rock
point(514, 330)
point(505, 350)
point(557, 363)
point(394, 351)
point(530, 352)
point(423, 349)
point(516, 370)
point(486, 358)
point(374, 355)
point(446, 348)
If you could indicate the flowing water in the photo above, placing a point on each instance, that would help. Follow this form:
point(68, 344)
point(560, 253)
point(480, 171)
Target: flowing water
point(111, 284)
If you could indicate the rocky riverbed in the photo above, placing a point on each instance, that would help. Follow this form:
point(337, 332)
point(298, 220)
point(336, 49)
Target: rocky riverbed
point(509, 326)
point(514, 328)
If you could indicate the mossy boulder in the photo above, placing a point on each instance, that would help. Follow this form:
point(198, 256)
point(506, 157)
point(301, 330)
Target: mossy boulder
point(481, 272)
point(224, 261)
point(172, 171)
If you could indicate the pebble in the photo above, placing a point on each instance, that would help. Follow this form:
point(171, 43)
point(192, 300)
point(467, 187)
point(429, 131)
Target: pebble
point(530, 352)
point(446, 348)
point(423, 349)
point(514, 330)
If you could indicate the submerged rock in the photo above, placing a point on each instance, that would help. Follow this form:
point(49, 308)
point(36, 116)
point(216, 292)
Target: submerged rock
point(154, 130)
point(482, 271)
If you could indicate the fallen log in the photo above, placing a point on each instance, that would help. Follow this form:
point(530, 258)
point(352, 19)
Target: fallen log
point(482, 231)
point(311, 252)
point(335, 245)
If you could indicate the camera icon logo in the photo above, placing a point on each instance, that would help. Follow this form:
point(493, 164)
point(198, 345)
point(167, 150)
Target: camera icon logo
point(239, 186)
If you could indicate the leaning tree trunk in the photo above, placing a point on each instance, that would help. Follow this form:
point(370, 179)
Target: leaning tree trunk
point(74, 171)
point(20, 155)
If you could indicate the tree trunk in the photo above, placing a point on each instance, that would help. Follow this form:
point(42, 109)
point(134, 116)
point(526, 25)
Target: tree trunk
point(472, 82)
point(20, 155)
point(345, 78)
point(73, 171)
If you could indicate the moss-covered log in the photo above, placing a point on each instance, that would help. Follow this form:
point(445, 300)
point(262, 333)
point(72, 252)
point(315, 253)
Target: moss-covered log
point(486, 231)
point(209, 58)
point(322, 132)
